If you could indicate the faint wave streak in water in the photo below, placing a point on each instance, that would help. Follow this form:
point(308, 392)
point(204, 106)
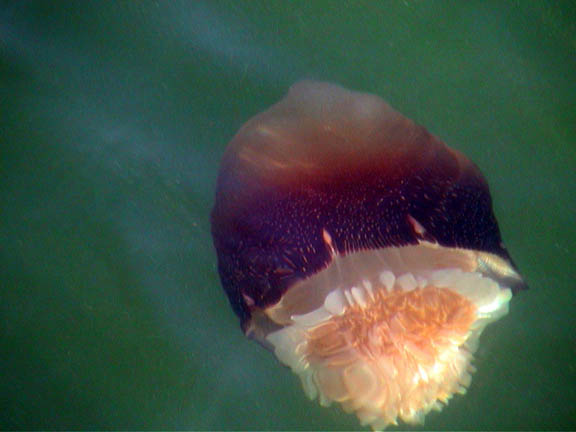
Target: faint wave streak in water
point(227, 39)
point(92, 109)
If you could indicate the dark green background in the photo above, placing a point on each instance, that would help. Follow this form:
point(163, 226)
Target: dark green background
point(113, 118)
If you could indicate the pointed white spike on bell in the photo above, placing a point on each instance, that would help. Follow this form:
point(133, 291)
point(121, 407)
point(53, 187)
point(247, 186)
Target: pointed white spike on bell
point(406, 282)
point(368, 287)
point(336, 302)
point(387, 279)
point(359, 296)
point(349, 297)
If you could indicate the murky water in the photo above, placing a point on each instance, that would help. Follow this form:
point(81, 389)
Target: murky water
point(114, 117)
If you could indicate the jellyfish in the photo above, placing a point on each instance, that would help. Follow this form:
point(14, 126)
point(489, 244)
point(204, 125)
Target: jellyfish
point(361, 250)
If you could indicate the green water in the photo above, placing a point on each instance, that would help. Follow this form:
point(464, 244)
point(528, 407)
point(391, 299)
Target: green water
point(114, 117)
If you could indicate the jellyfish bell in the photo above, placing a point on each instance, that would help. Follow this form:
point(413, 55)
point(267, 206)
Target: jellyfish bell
point(361, 250)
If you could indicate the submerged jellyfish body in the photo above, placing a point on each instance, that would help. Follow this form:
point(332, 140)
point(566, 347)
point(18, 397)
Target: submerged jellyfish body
point(361, 250)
